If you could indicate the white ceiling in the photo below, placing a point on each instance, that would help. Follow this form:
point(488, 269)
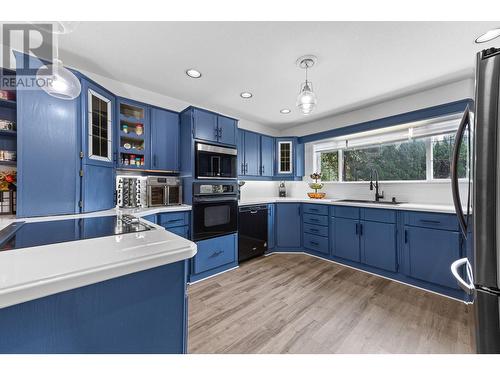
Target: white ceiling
point(359, 63)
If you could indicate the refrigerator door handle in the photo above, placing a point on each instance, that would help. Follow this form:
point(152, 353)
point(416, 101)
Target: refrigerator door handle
point(454, 172)
point(468, 287)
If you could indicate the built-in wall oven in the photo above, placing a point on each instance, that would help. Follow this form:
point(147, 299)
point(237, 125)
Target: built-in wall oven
point(215, 162)
point(215, 209)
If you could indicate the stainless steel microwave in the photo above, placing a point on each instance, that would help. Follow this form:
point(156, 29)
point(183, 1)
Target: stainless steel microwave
point(164, 191)
point(215, 162)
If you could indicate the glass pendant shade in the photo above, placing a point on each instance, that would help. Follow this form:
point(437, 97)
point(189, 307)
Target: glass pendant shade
point(306, 101)
point(62, 83)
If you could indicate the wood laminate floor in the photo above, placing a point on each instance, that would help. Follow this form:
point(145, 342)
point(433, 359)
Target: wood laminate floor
point(294, 303)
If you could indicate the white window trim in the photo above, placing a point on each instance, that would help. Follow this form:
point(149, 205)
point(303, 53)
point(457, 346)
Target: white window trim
point(279, 157)
point(89, 125)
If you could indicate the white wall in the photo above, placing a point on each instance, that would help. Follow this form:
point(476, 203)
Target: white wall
point(150, 97)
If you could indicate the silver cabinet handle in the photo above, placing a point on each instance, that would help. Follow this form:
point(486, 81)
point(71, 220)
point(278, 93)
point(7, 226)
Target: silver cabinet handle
point(468, 287)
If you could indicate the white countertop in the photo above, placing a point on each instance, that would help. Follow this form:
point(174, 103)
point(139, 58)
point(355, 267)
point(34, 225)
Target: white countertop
point(440, 208)
point(34, 272)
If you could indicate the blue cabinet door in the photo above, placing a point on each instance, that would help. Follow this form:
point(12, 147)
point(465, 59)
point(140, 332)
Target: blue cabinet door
point(150, 218)
point(267, 156)
point(271, 242)
point(48, 146)
point(205, 125)
point(288, 226)
point(215, 252)
point(378, 245)
point(98, 190)
point(346, 239)
point(165, 139)
point(226, 130)
point(252, 154)
point(430, 252)
point(241, 152)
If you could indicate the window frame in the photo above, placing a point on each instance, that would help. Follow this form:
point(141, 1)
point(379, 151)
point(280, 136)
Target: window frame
point(109, 158)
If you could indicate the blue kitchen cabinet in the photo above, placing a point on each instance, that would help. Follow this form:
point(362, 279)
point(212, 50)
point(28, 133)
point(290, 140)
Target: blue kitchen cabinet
point(180, 231)
point(98, 148)
point(241, 152)
point(143, 312)
point(165, 139)
point(430, 252)
point(48, 147)
point(252, 154)
point(150, 218)
point(346, 242)
point(378, 245)
point(289, 158)
point(205, 125)
point(271, 233)
point(288, 226)
point(266, 156)
point(227, 128)
point(175, 222)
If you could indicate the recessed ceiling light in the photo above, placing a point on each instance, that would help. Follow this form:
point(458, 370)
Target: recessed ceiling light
point(246, 95)
point(193, 73)
point(489, 35)
point(285, 111)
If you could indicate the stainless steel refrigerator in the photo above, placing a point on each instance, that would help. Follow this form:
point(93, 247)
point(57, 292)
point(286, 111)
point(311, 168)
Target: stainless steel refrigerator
point(480, 276)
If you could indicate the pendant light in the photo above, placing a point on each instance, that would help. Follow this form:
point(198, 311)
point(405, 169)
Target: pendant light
point(306, 101)
point(62, 83)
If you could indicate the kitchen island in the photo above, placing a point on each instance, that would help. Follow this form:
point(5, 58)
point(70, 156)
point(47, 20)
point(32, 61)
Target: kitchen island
point(121, 293)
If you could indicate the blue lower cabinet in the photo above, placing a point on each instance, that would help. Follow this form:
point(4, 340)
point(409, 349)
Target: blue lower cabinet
point(317, 230)
point(214, 255)
point(316, 243)
point(378, 245)
point(429, 254)
point(346, 239)
point(271, 241)
point(180, 231)
point(143, 312)
point(173, 219)
point(288, 226)
point(150, 218)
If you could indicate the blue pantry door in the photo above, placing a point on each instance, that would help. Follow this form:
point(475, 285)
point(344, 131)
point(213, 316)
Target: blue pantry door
point(346, 239)
point(165, 140)
point(252, 154)
point(288, 225)
point(205, 125)
point(267, 152)
point(227, 130)
point(378, 245)
point(98, 147)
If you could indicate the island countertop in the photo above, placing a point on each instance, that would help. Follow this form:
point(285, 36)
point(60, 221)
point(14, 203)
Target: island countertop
point(34, 272)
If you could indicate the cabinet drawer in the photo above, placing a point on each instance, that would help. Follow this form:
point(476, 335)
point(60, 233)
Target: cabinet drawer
point(312, 208)
point(316, 243)
point(215, 252)
point(377, 214)
point(316, 229)
point(431, 220)
point(346, 212)
point(316, 219)
point(180, 231)
point(174, 219)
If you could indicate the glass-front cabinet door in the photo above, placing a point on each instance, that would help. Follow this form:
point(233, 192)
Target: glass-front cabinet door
point(285, 157)
point(100, 128)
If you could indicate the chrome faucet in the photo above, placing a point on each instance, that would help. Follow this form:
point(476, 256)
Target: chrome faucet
point(377, 195)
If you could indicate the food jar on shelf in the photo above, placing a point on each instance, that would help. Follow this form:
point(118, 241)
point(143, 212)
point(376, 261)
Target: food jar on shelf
point(125, 128)
point(139, 129)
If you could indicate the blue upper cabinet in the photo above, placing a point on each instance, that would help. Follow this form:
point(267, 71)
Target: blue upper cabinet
point(227, 128)
point(48, 146)
point(209, 126)
point(98, 148)
point(289, 158)
point(267, 156)
point(205, 125)
point(134, 136)
point(252, 154)
point(165, 139)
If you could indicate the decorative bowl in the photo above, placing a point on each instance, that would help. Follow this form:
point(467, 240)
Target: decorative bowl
point(316, 195)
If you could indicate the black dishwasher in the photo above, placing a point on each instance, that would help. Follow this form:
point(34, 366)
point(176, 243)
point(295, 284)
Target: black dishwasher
point(252, 232)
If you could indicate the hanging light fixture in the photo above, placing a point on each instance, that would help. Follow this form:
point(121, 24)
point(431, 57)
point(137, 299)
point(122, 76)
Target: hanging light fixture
point(61, 83)
point(306, 101)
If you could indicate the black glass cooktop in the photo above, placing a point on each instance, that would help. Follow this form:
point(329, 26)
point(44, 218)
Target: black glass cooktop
point(23, 234)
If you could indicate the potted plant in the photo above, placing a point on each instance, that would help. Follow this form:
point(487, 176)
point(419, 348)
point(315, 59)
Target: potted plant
point(316, 186)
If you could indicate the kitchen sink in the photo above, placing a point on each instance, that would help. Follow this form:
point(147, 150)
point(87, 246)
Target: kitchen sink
point(368, 201)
